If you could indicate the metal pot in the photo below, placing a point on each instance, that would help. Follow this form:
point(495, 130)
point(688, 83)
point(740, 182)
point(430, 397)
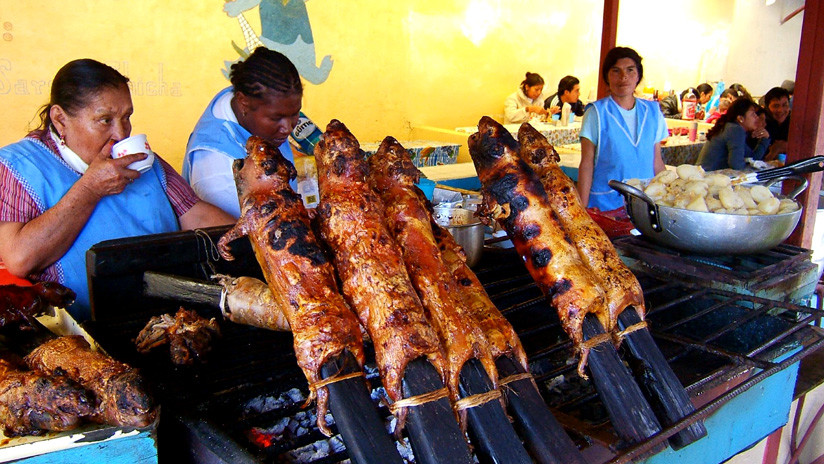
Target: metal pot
point(708, 233)
point(465, 228)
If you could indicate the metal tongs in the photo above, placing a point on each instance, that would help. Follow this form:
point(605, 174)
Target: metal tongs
point(814, 164)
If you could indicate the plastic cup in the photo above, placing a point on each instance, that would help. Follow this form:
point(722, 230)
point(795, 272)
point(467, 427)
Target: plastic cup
point(135, 144)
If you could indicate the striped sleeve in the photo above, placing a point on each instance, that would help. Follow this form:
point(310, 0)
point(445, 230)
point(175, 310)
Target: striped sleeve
point(16, 205)
point(180, 194)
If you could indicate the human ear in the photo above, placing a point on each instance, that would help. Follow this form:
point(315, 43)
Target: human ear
point(58, 118)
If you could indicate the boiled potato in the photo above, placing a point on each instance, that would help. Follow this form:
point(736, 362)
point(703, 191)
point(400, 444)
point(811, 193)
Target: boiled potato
point(718, 180)
point(689, 171)
point(745, 195)
point(656, 190)
point(769, 206)
point(696, 188)
point(698, 204)
point(635, 183)
point(730, 199)
point(713, 204)
point(760, 193)
point(665, 177)
point(787, 205)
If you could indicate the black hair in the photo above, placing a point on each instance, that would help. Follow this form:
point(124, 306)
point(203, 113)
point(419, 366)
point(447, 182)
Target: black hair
point(738, 108)
point(616, 54)
point(729, 93)
point(532, 79)
point(687, 90)
point(264, 70)
point(741, 90)
point(703, 88)
point(775, 93)
point(76, 83)
point(567, 83)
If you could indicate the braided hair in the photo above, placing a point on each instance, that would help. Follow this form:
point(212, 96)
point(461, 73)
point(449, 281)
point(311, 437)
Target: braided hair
point(264, 70)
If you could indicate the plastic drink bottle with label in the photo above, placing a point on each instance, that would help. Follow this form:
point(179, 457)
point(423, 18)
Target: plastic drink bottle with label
point(690, 104)
point(306, 134)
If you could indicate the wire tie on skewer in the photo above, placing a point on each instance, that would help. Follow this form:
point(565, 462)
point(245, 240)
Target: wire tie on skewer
point(208, 244)
point(334, 378)
point(418, 400)
point(637, 326)
point(473, 401)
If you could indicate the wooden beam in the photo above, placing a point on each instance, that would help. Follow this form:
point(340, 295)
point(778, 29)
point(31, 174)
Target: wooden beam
point(806, 139)
point(609, 32)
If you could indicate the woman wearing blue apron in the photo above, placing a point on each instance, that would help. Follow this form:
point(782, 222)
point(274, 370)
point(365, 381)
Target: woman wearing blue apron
point(620, 134)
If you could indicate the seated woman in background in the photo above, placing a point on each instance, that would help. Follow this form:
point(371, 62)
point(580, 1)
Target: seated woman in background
point(62, 192)
point(777, 106)
point(726, 145)
point(704, 92)
point(725, 100)
point(527, 101)
point(569, 91)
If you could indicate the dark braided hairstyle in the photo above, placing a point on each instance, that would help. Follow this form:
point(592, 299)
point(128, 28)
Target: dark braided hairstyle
point(264, 70)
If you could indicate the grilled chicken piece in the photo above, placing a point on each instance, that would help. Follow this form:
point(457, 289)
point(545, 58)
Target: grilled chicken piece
point(498, 331)
point(618, 282)
point(392, 175)
point(514, 196)
point(32, 403)
point(188, 334)
point(300, 277)
point(21, 303)
point(122, 396)
point(250, 302)
point(368, 260)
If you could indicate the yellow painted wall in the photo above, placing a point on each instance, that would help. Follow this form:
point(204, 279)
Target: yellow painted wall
point(398, 64)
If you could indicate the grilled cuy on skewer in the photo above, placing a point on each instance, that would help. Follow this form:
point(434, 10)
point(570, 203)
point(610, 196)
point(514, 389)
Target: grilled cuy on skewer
point(300, 277)
point(514, 196)
point(122, 396)
point(250, 302)
point(189, 335)
point(368, 261)
point(392, 175)
point(32, 402)
point(594, 247)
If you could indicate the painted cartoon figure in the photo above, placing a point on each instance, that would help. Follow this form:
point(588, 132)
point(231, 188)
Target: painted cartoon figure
point(285, 28)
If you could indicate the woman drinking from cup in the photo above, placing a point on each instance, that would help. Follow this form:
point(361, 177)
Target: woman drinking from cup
point(726, 145)
point(62, 191)
point(264, 100)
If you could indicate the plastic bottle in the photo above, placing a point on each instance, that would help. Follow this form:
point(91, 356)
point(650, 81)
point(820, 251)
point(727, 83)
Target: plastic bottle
point(306, 134)
point(693, 132)
point(690, 103)
point(565, 114)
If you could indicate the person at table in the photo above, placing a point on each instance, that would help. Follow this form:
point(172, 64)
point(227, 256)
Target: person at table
point(704, 92)
point(62, 192)
point(724, 101)
point(569, 91)
point(620, 135)
point(726, 146)
point(264, 100)
point(527, 101)
point(777, 108)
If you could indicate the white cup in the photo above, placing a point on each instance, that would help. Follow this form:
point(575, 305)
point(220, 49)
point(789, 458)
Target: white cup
point(135, 144)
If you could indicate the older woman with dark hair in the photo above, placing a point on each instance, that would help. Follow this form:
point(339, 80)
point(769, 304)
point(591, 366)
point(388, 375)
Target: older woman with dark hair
point(62, 192)
point(620, 135)
point(264, 100)
point(726, 145)
point(527, 101)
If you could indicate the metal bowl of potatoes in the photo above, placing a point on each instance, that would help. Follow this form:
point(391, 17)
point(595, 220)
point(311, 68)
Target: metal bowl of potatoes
point(701, 231)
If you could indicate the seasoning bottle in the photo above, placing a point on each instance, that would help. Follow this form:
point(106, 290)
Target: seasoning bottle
point(306, 134)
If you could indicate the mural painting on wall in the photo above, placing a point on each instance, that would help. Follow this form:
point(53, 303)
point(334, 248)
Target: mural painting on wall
point(284, 28)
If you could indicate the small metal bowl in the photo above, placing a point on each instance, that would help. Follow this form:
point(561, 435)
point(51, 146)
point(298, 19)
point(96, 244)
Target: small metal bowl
point(466, 229)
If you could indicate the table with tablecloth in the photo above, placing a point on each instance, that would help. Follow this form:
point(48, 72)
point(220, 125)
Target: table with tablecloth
point(556, 134)
point(423, 152)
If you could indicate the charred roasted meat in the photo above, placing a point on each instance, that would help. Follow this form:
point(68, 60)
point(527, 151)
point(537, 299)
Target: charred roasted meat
point(32, 403)
point(368, 260)
point(514, 196)
point(21, 303)
point(188, 335)
point(121, 395)
point(392, 175)
point(499, 332)
point(618, 282)
point(300, 277)
point(250, 302)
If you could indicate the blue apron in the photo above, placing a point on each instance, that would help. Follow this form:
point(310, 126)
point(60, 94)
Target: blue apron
point(619, 154)
point(225, 137)
point(141, 209)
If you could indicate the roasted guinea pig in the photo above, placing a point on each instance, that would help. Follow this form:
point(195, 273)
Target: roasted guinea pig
point(121, 395)
point(189, 335)
point(618, 282)
point(250, 302)
point(298, 273)
point(368, 261)
point(514, 196)
point(393, 176)
point(32, 402)
point(19, 303)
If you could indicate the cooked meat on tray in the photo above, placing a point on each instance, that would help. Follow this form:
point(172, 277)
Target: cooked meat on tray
point(32, 403)
point(122, 396)
point(250, 302)
point(375, 281)
point(19, 303)
point(393, 176)
point(594, 247)
point(189, 335)
point(300, 277)
point(514, 196)
point(499, 332)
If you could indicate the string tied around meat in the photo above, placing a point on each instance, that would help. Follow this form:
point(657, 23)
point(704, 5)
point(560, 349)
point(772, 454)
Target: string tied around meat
point(333, 379)
point(637, 326)
point(476, 400)
point(586, 346)
point(514, 378)
point(418, 400)
point(209, 248)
